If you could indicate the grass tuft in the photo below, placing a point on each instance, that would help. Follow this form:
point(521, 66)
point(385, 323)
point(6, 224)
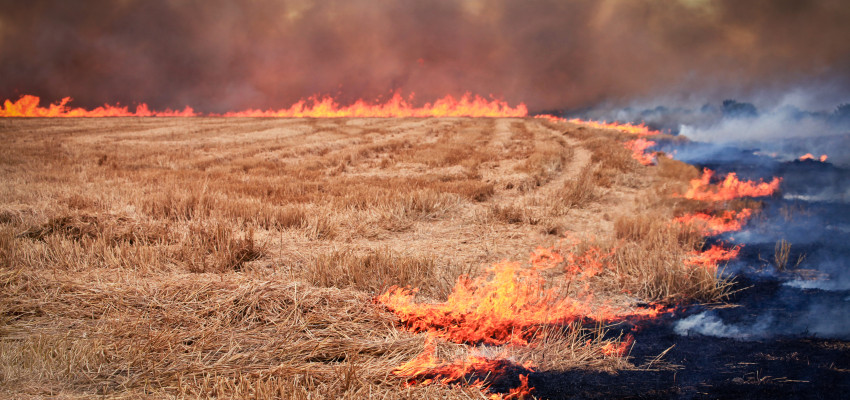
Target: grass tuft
point(216, 249)
point(373, 271)
point(782, 256)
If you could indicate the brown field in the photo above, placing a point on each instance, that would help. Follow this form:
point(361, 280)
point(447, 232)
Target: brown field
point(240, 257)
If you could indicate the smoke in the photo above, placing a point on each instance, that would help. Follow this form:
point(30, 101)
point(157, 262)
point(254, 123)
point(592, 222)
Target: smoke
point(708, 324)
point(818, 319)
point(783, 128)
point(804, 292)
point(216, 56)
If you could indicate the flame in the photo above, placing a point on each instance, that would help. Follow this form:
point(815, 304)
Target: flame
point(635, 129)
point(809, 156)
point(639, 129)
point(509, 303)
point(28, 106)
point(466, 106)
point(550, 117)
point(730, 188)
point(613, 349)
point(314, 107)
point(712, 257)
point(711, 225)
point(427, 368)
point(505, 309)
point(638, 148)
point(520, 392)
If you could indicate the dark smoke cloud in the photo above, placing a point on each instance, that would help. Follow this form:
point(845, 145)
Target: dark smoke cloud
point(216, 55)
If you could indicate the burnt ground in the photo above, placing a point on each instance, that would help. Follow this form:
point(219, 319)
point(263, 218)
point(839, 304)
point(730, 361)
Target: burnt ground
point(715, 368)
point(789, 341)
point(798, 366)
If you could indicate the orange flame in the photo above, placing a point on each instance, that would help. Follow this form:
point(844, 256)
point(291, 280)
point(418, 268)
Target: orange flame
point(467, 106)
point(427, 368)
point(809, 156)
point(635, 129)
point(550, 117)
point(520, 392)
point(730, 188)
point(326, 107)
point(27, 106)
point(710, 225)
point(712, 257)
point(509, 304)
point(506, 309)
point(639, 129)
point(638, 148)
point(613, 349)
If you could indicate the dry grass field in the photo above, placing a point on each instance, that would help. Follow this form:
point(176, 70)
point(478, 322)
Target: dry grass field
point(216, 257)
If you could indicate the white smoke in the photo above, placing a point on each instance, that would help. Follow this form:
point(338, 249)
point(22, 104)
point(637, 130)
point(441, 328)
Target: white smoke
point(708, 324)
point(776, 124)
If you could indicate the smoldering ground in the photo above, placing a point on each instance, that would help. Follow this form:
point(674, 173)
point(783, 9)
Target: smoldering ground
point(803, 292)
point(217, 56)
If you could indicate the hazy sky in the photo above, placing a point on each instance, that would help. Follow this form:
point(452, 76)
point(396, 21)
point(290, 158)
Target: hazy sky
point(215, 55)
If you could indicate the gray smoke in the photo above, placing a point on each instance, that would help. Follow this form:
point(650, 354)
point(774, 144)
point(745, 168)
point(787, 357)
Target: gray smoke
point(708, 324)
point(818, 319)
point(219, 55)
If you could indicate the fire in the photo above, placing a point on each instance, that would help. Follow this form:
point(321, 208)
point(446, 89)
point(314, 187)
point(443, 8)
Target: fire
point(28, 106)
point(510, 303)
point(314, 107)
point(466, 106)
point(635, 129)
point(520, 392)
point(549, 117)
point(712, 257)
point(507, 306)
point(638, 148)
point(730, 188)
point(809, 156)
point(639, 129)
point(427, 368)
point(613, 349)
point(711, 225)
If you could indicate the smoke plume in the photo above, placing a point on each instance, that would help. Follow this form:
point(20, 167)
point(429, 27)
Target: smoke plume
point(216, 55)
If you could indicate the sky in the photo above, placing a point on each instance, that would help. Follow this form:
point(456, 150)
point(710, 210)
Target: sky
point(217, 55)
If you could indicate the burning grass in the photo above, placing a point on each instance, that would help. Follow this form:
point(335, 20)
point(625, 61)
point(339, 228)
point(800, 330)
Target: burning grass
point(729, 188)
point(241, 257)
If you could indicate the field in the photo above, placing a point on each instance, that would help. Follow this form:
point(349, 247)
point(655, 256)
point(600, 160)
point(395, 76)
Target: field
point(237, 257)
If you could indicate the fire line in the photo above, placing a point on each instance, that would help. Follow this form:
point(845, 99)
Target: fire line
point(313, 107)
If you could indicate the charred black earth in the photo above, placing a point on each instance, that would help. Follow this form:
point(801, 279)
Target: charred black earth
point(784, 333)
point(713, 367)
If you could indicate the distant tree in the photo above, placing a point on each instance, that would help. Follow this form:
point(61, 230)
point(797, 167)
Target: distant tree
point(736, 109)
